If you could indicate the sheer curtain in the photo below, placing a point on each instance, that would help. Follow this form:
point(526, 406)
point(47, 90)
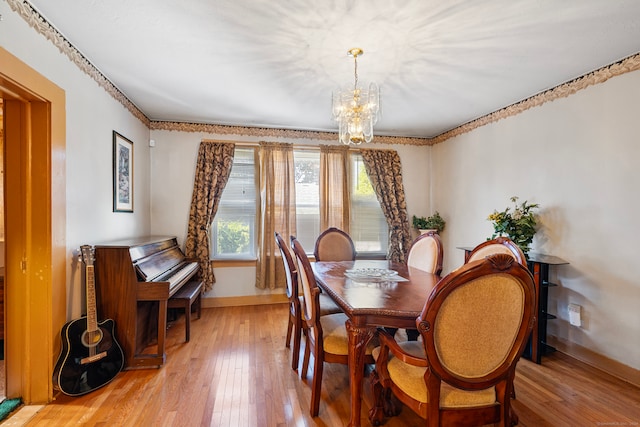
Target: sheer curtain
point(334, 187)
point(277, 209)
point(212, 173)
point(385, 172)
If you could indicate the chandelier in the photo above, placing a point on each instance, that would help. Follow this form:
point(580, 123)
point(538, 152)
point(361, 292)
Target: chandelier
point(356, 110)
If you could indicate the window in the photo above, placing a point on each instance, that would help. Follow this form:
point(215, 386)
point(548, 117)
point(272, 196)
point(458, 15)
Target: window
point(307, 170)
point(368, 228)
point(233, 232)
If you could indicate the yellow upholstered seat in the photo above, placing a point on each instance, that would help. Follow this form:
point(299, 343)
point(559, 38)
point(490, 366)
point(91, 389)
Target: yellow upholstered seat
point(474, 327)
point(326, 336)
point(295, 324)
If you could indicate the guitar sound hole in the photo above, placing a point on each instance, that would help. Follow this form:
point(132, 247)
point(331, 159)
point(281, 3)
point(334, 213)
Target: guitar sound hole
point(92, 338)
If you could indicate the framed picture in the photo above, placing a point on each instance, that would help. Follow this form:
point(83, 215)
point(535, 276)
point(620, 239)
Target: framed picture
point(122, 173)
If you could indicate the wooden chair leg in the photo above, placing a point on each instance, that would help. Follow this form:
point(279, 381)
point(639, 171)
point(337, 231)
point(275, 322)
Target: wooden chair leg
point(295, 354)
point(289, 330)
point(316, 387)
point(305, 359)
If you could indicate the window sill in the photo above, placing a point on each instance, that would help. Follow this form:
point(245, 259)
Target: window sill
point(221, 263)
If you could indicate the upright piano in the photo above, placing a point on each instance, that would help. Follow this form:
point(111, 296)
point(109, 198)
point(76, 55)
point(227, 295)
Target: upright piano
point(134, 279)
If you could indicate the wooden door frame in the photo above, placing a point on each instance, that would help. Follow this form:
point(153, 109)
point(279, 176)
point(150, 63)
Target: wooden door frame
point(35, 215)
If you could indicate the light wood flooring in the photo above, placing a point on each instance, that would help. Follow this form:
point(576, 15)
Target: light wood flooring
point(236, 372)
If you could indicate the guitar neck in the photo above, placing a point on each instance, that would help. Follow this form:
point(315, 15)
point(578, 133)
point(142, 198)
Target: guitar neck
point(92, 316)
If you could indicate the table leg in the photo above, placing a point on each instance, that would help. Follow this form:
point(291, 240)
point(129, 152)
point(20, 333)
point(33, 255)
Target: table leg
point(359, 337)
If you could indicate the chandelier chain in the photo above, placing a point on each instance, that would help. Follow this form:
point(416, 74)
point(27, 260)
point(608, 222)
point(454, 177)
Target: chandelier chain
point(355, 71)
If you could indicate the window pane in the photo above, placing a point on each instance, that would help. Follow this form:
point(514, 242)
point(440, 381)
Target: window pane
point(369, 229)
point(233, 229)
point(307, 170)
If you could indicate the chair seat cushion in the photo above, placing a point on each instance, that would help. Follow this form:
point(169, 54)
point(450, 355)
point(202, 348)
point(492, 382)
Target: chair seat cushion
point(410, 379)
point(327, 305)
point(336, 339)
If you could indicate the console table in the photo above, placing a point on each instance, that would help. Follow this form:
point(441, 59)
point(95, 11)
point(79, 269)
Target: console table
point(538, 265)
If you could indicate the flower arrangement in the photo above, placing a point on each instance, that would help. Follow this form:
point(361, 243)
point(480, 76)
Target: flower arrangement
point(433, 222)
point(519, 225)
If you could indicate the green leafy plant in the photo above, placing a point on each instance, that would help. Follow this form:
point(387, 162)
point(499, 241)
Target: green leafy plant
point(233, 237)
point(518, 224)
point(433, 222)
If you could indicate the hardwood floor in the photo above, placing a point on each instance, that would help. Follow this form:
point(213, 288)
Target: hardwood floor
point(236, 371)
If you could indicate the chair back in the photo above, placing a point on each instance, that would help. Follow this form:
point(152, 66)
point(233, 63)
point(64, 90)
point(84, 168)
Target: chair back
point(475, 324)
point(334, 244)
point(426, 253)
point(311, 293)
point(290, 271)
point(499, 245)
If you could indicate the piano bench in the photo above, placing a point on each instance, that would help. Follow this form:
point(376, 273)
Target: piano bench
point(186, 296)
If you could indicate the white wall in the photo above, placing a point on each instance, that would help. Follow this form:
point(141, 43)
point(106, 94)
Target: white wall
point(92, 114)
point(173, 161)
point(577, 157)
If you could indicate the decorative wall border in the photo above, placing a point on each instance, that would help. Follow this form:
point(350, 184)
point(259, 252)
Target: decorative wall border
point(601, 75)
point(41, 25)
point(273, 133)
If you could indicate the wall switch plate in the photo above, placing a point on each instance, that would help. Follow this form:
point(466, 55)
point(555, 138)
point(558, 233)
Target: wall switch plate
point(575, 315)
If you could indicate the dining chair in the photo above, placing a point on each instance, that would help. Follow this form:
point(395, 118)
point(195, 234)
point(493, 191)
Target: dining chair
point(295, 325)
point(426, 253)
point(334, 244)
point(461, 373)
point(326, 336)
point(500, 244)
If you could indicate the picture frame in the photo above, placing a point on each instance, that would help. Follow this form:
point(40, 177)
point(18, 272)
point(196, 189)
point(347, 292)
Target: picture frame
point(122, 173)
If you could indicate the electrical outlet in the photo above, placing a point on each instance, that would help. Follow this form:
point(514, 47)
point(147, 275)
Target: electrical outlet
point(575, 315)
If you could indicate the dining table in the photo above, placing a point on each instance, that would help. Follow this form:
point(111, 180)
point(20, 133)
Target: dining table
point(372, 293)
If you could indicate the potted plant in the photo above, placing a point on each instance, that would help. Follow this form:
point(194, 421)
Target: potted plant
point(518, 224)
point(433, 222)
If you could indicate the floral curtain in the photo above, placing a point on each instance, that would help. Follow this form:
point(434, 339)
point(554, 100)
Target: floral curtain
point(385, 172)
point(212, 173)
point(334, 187)
point(277, 209)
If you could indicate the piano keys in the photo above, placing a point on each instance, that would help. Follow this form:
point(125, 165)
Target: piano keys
point(134, 279)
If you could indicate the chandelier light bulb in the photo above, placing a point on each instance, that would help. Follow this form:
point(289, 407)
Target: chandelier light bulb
point(356, 110)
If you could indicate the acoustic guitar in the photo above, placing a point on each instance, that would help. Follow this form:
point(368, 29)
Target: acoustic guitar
point(90, 356)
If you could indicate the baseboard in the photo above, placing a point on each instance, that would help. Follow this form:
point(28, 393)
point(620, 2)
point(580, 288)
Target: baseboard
point(212, 302)
point(610, 366)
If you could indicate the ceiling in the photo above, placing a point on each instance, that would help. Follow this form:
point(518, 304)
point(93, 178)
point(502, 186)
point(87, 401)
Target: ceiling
point(274, 64)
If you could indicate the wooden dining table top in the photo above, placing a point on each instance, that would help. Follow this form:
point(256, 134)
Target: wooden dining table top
point(387, 303)
point(394, 301)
